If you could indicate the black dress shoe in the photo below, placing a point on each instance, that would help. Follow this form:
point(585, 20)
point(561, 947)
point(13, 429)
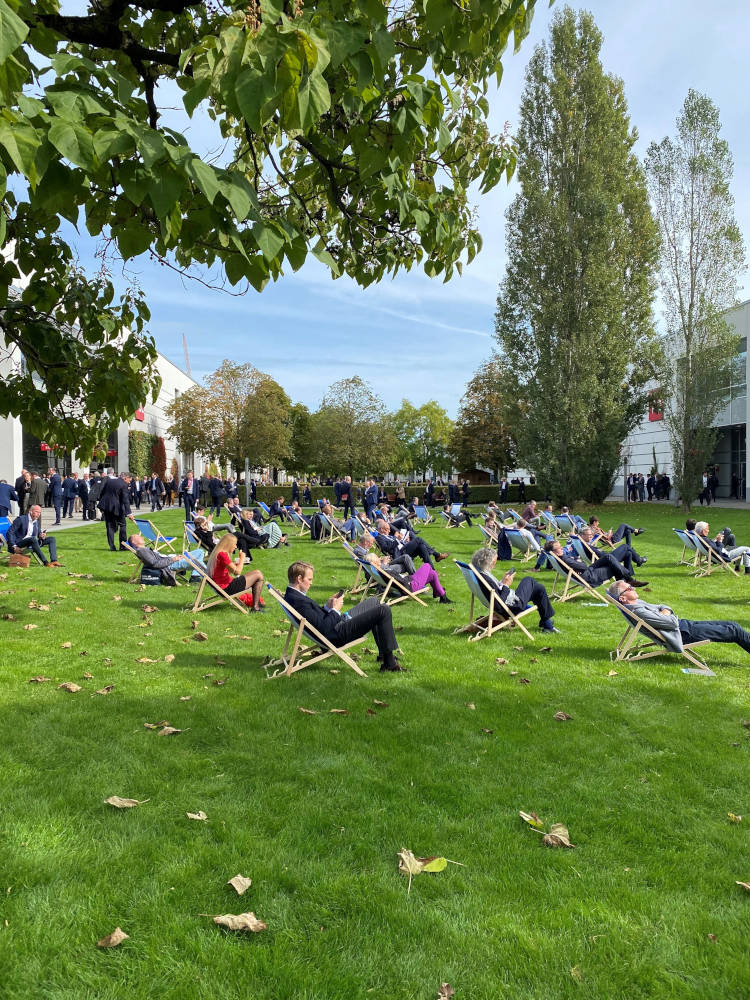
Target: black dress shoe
point(445, 599)
point(397, 669)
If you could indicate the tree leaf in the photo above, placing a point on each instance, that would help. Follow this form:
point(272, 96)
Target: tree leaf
point(120, 803)
point(117, 936)
point(306, 711)
point(149, 608)
point(733, 818)
point(240, 884)
point(339, 711)
point(380, 704)
point(39, 679)
point(170, 731)
point(532, 819)
point(169, 658)
point(446, 992)
point(435, 864)
point(200, 815)
point(106, 690)
point(200, 637)
point(745, 886)
point(557, 836)
point(69, 686)
point(562, 717)
point(240, 922)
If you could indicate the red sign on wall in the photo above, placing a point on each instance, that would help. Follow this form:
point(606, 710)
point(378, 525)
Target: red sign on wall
point(44, 446)
point(111, 452)
point(139, 414)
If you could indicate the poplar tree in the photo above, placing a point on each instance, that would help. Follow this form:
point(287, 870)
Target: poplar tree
point(701, 260)
point(574, 316)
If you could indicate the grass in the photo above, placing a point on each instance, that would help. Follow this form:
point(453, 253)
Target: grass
point(315, 808)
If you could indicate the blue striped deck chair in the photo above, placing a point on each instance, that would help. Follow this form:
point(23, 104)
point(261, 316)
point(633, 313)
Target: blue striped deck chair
point(642, 641)
point(423, 514)
point(497, 616)
point(512, 513)
point(189, 538)
point(136, 577)
point(265, 508)
point(152, 534)
point(550, 522)
point(582, 550)
point(706, 553)
point(688, 545)
point(519, 543)
point(303, 529)
point(387, 584)
point(573, 586)
point(297, 654)
point(329, 530)
point(357, 587)
point(565, 523)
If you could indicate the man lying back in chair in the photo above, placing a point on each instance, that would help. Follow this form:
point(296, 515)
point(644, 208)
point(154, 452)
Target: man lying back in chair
point(528, 590)
point(720, 548)
point(604, 568)
point(343, 627)
point(167, 564)
point(677, 631)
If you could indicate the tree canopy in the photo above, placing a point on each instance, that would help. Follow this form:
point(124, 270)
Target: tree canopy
point(352, 130)
point(423, 434)
point(488, 419)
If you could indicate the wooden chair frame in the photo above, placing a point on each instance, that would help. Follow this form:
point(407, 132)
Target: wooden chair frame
point(705, 551)
point(330, 530)
point(376, 577)
point(304, 529)
point(220, 595)
point(514, 534)
point(642, 641)
point(575, 585)
point(303, 655)
point(156, 537)
point(688, 543)
point(485, 625)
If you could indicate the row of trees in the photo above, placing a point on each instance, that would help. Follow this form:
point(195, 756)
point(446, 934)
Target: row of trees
point(589, 236)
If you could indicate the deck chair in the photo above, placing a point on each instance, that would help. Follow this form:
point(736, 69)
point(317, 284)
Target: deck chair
point(152, 534)
point(550, 523)
point(688, 545)
point(705, 552)
point(489, 536)
point(358, 587)
point(512, 513)
point(520, 543)
point(296, 654)
point(189, 537)
point(136, 577)
point(330, 531)
point(641, 641)
point(218, 596)
point(498, 615)
point(423, 514)
point(303, 529)
point(565, 523)
point(388, 584)
point(582, 550)
point(573, 586)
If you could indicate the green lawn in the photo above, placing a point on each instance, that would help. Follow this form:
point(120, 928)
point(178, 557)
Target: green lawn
point(315, 808)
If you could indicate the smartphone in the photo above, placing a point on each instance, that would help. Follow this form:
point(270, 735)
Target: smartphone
point(512, 571)
point(339, 593)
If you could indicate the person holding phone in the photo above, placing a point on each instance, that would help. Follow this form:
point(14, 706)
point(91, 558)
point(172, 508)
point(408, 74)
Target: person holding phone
point(528, 591)
point(341, 627)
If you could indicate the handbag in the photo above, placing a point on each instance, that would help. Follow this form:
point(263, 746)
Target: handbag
point(22, 562)
point(151, 577)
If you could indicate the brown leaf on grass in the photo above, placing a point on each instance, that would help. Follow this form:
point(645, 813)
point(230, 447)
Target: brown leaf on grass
point(200, 815)
point(501, 661)
point(28, 628)
point(306, 711)
point(185, 697)
point(576, 973)
point(155, 725)
point(371, 711)
point(84, 652)
point(240, 884)
point(194, 623)
point(562, 717)
point(169, 658)
point(745, 723)
point(557, 836)
point(513, 673)
point(524, 680)
point(120, 803)
point(488, 731)
point(334, 671)
point(220, 681)
point(9, 618)
point(545, 649)
point(712, 937)
point(200, 637)
point(79, 609)
point(471, 705)
point(532, 819)
point(367, 651)
point(745, 886)
point(734, 818)
point(277, 632)
point(106, 690)
point(240, 922)
point(380, 704)
point(612, 673)
point(39, 679)
point(534, 659)
point(445, 992)
point(107, 660)
point(87, 676)
point(149, 608)
point(117, 936)
point(65, 645)
point(32, 604)
point(145, 659)
point(116, 597)
point(206, 676)
point(69, 686)
point(518, 649)
point(339, 711)
point(412, 866)
point(219, 663)
point(170, 731)
point(43, 607)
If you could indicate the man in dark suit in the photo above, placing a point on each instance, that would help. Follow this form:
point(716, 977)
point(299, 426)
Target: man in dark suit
point(83, 493)
point(411, 544)
point(340, 628)
point(155, 489)
point(218, 494)
point(606, 567)
point(22, 486)
point(190, 490)
point(371, 497)
point(26, 533)
point(56, 491)
point(69, 492)
point(7, 493)
point(114, 503)
point(429, 494)
point(528, 591)
point(295, 491)
point(96, 485)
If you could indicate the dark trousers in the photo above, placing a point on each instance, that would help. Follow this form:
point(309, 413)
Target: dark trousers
point(531, 591)
point(368, 616)
point(113, 523)
point(348, 506)
point(627, 555)
point(623, 533)
point(606, 566)
point(188, 500)
point(36, 544)
point(417, 547)
point(56, 503)
point(92, 510)
point(67, 508)
point(236, 586)
point(216, 506)
point(716, 631)
point(155, 500)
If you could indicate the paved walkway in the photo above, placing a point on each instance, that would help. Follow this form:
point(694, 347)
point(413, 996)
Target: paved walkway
point(48, 518)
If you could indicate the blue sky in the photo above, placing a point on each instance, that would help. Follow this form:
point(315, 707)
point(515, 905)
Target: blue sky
point(419, 338)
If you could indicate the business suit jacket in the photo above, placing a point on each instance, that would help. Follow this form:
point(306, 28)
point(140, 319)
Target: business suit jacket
point(668, 626)
point(70, 488)
point(37, 491)
point(371, 498)
point(154, 485)
point(55, 485)
point(323, 620)
point(194, 492)
point(83, 490)
point(114, 499)
point(20, 528)
point(7, 493)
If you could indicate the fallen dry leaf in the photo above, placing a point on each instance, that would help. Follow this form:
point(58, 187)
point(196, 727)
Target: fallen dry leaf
point(501, 661)
point(220, 681)
point(533, 660)
point(83, 653)
point(380, 704)
point(745, 886)
point(557, 836)
point(200, 637)
point(185, 697)
point(206, 676)
point(532, 819)
point(65, 645)
point(9, 618)
point(69, 686)
point(155, 725)
point(116, 597)
point(339, 711)
point(514, 673)
point(170, 731)
point(745, 723)
point(87, 676)
point(576, 973)
point(334, 671)
point(445, 992)
point(518, 649)
point(194, 624)
point(79, 609)
point(306, 711)
point(367, 651)
point(240, 922)
point(240, 884)
point(106, 690)
point(488, 731)
point(562, 717)
point(149, 608)
point(410, 865)
point(712, 937)
point(546, 649)
point(612, 673)
point(200, 815)
point(277, 632)
point(43, 607)
point(733, 818)
point(28, 628)
point(524, 680)
point(120, 803)
point(117, 936)
point(39, 679)
point(219, 663)
point(471, 705)
point(169, 658)
point(371, 711)
point(145, 659)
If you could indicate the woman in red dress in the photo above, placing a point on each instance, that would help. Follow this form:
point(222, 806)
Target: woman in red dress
point(221, 568)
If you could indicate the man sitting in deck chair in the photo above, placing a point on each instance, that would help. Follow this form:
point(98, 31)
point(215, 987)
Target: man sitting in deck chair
point(604, 568)
point(717, 546)
point(351, 527)
point(528, 591)
point(168, 565)
point(677, 631)
point(396, 543)
point(461, 517)
point(340, 628)
point(622, 533)
point(624, 553)
point(402, 563)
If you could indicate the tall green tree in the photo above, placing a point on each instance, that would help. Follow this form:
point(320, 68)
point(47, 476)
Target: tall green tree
point(351, 433)
point(574, 311)
point(702, 257)
point(352, 130)
point(424, 434)
point(488, 420)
